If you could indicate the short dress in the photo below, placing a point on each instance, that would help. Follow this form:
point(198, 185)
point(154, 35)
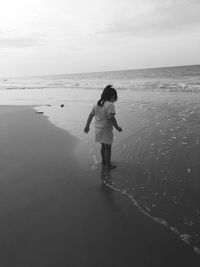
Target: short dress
point(103, 128)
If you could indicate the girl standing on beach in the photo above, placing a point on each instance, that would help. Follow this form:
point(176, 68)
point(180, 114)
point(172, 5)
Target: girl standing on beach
point(104, 113)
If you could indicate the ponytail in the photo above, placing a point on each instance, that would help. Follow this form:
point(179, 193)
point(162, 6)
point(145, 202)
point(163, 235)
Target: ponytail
point(101, 102)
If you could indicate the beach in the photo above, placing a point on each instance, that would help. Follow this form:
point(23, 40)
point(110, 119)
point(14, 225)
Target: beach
point(58, 208)
point(99, 133)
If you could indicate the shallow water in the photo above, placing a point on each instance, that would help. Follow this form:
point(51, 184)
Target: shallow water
point(158, 161)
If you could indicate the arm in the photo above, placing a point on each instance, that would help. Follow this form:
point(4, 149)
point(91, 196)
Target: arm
point(114, 122)
point(89, 120)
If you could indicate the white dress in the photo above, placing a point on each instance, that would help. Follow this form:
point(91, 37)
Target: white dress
point(103, 127)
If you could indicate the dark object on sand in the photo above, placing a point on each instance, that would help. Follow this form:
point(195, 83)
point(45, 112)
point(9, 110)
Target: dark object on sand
point(62, 105)
point(39, 112)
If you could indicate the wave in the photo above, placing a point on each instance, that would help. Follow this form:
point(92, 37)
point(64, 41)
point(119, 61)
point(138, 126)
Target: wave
point(171, 79)
point(143, 86)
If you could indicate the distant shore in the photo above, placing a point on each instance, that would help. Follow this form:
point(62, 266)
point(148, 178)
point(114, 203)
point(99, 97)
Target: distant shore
point(53, 213)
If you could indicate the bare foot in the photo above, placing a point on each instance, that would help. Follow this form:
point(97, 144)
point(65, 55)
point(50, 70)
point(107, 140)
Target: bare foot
point(111, 167)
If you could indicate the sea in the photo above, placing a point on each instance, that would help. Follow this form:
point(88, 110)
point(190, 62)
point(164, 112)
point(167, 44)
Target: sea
point(157, 154)
point(173, 79)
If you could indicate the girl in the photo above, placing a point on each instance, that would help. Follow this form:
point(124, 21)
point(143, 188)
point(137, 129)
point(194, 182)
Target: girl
point(104, 112)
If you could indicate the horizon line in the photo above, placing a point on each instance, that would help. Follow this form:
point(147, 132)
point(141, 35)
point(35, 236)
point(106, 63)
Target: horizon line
point(91, 72)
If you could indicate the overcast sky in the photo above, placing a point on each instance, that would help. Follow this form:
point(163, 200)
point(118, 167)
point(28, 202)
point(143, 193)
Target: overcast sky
point(66, 36)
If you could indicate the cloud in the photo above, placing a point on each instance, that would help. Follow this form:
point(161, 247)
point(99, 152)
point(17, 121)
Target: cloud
point(155, 16)
point(19, 42)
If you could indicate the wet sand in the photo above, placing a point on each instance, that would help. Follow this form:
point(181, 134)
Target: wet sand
point(56, 213)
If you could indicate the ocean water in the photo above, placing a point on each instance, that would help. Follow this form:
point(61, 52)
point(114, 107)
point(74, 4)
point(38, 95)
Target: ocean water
point(173, 79)
point(158, 152)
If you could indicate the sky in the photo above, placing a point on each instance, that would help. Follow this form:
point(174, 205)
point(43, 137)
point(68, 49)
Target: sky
point(39, 37)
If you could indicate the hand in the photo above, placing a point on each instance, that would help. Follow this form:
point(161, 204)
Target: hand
point(119, 129)
point(86, 129)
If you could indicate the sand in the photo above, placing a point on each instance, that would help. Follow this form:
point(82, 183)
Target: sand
point(55, 211)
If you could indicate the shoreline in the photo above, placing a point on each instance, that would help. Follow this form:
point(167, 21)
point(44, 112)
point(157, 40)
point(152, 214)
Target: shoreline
point(54, 213)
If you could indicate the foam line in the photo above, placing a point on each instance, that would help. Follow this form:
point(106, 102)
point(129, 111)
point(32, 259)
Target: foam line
point(184, 237)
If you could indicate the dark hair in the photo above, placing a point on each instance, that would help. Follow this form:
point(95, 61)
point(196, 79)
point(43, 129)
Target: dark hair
point(107, 94)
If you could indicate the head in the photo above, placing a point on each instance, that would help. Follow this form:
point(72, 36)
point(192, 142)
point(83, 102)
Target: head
point(108, 94)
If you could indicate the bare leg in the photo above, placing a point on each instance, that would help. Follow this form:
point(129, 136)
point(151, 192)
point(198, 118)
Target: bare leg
point(103, 154)
point(108, 157)
point(108, 154)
